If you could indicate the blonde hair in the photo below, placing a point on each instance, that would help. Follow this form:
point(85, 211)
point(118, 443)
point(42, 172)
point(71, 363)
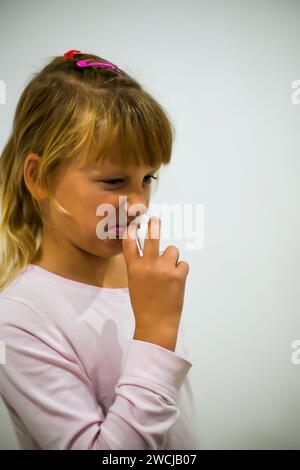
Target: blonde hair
point(62, 111)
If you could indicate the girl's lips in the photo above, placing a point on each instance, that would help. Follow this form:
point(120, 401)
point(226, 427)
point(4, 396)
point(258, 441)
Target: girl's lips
point(118, 229)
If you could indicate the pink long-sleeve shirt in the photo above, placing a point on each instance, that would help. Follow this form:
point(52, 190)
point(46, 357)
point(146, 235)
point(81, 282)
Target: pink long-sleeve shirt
point(74, 377)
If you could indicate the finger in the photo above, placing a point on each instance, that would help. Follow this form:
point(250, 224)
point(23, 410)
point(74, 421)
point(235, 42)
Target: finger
point(171, 254)
point(183, 267)
point(129, 245)
point(152, 240)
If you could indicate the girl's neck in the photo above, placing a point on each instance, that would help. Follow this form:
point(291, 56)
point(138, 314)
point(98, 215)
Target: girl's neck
point(114, 277)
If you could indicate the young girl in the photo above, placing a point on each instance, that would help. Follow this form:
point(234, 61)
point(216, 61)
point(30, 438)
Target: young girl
point(94, 354)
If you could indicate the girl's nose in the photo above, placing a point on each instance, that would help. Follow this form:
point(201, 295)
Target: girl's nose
point(136, 199)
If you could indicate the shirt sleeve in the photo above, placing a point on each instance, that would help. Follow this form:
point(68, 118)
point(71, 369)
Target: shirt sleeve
point(54, 398)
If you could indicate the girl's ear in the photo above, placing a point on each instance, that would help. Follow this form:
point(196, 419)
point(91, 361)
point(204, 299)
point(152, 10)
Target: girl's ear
point(30, 172)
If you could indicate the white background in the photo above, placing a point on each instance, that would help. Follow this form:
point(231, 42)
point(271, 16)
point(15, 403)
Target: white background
point(223, 70)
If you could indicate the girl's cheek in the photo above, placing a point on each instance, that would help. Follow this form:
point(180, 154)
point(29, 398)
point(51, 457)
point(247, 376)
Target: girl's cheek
point(107, 198)
point(92, 206)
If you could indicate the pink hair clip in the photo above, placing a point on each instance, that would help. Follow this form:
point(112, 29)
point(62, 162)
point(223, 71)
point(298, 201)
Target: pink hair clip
point(99, 64)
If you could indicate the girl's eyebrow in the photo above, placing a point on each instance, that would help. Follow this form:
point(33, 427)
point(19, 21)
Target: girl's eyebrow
point(113, 169)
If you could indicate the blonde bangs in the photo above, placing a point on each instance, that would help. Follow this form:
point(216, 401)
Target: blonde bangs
point(143, 136)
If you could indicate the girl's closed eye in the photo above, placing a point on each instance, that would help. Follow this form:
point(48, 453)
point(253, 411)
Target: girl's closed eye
point(115, 182)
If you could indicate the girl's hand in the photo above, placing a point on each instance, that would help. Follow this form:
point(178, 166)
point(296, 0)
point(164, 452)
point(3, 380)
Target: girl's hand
point(156, 286)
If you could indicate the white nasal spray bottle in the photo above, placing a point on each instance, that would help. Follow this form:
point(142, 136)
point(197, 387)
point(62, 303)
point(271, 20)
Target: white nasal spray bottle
point(141, 235)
